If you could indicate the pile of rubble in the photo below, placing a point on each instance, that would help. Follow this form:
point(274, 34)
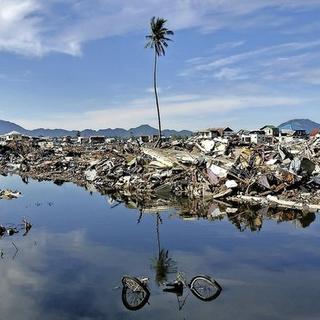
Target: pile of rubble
point(270, 174)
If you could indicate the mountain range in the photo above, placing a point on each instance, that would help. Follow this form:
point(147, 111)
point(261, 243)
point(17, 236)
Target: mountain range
point(300, 124)
point(7, 126)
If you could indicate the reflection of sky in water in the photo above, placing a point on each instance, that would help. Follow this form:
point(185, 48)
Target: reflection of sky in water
point(79, 248)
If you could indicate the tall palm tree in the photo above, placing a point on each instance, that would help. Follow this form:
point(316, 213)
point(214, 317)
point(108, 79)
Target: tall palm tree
point(157, 40)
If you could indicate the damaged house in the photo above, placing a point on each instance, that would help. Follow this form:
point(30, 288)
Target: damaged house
point(287, 135)
point(258, 136)
point(270, 131)
point(13, 136)
point(252, 137)
point(97, 140)
point(212, 133)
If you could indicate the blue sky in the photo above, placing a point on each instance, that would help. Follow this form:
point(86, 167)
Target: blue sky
point(79, 64)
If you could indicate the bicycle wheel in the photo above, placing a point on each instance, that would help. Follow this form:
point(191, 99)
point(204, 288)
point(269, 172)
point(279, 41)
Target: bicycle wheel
point(205, 288)
point(135, 294)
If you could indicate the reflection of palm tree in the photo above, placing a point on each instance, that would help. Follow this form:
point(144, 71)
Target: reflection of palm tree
point(163, 264)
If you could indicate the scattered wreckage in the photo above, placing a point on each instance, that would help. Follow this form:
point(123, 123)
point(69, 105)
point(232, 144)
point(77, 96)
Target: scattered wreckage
point(273, 175)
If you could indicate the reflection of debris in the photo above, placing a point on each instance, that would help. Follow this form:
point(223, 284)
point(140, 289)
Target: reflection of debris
point(17, 249)
point(11, 230)
point(278, 173)
point(272, 200)
point(244, 217)
point(27, 226)
point(9, 194)
point(2, 230)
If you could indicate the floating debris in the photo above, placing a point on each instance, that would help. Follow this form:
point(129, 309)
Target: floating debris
point(9, 194)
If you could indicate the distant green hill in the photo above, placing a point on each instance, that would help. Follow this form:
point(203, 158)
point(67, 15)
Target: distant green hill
point(299, 124)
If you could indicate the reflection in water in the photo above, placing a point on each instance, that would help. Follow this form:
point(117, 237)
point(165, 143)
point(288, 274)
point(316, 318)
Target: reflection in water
point(205, 288)
point(25, 180)
point(83, 248)
point(244, 217)
point(202, 287)
point(163, 264)
point(10, 230)
point(252, 218)
point(135, 292)
point(58, 182)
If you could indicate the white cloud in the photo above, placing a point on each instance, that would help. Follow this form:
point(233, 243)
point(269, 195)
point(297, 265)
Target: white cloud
point(19, 30)
point(228, 45)
point(230, 74)
point(260, 53)
point(291, 60)
point(180, 112)
point(311, 76)
point(37, 27)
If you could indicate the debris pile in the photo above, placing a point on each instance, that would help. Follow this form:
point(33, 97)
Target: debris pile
point(280, 175)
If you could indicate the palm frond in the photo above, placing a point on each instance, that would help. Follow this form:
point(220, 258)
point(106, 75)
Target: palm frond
point(158, 37)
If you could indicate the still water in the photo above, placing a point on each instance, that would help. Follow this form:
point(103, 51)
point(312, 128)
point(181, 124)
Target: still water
point(70, 265)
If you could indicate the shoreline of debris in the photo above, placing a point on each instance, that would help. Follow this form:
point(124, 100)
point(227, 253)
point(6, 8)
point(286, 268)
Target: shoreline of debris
point(276, 174)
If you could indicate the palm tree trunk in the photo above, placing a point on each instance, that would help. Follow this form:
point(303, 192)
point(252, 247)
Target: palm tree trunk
point(157, 99)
